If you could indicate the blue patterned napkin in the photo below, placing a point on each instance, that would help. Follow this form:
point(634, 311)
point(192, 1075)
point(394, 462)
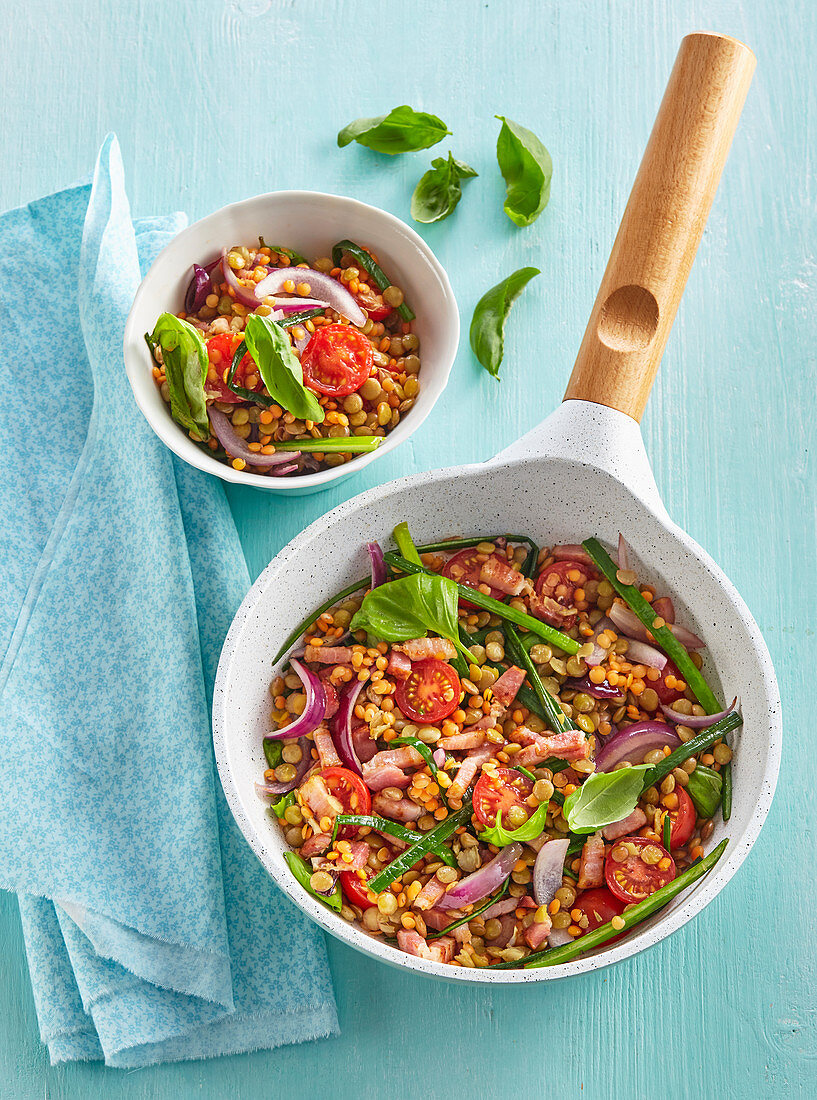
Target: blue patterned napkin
point(153, 934)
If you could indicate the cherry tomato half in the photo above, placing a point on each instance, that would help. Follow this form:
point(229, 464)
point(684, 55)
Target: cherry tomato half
point(431, 692)
point(465, 568)
point(356, 890)
point(558, 582)
point(220, 351)
point(633, 879)
point(599, 905)
point(350, 790)
point(501, 791)
point(372, 302)
point(337, 360)
point(683, 819)
point(666, 694)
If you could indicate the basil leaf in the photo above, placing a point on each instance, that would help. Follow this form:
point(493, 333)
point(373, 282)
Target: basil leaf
point(284, 802)
point(439, 190)
point(273, 753)
point(184, 356)
point(532, 828)
point(526, 167)
point(603, 798)
point(409, 607)
point(303, 873)
point(279, 368)
point(704, 788)
point(293, 257)
point(488, 323)
point(402, 130)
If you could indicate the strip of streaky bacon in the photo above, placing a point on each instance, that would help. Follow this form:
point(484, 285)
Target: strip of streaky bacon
point(498, 574)
point(396, 809)
point(440, 950)
point(318, 798)
point(570, 551)
point(437, 919)
point(359, 851)
point(536, 933)
point(422, 649)
point(328, 654)
point(404, 757)
point(506, 688)
point(462, 934)
point(430, 894)
point(568, 745)
point(627, 826)
point(326, 747)
point(591, 864)
point(399, 665)
point(460, 742)
point(380, 776)
point(545, 607)
point(316, 845)
point(468, 769)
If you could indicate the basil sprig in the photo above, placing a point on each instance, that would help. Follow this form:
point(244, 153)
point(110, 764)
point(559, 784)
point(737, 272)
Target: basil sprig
point(603, 798)
point(439, 189)
point(527, 170)
point(530, 830)
point(280, 369)
point(185, 361)
point(410, 607)
point(488, 323)
point(402, 130)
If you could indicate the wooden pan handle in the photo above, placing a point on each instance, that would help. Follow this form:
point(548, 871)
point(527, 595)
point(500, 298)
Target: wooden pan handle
point(662, 225)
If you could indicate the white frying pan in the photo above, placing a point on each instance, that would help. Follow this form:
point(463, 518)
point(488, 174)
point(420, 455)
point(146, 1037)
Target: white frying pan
point(583, 472)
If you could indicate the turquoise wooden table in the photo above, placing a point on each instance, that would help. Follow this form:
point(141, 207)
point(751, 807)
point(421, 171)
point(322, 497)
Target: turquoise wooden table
point(221, 99)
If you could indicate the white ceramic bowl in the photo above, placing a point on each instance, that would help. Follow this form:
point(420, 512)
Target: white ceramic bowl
point(310, 222)
point(584, 471)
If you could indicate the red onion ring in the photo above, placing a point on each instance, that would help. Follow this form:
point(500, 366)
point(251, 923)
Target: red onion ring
point(626, 621)
point(547, 870)
point(313, 711)
point(295, 305)
point(623, 553)
point(559, 937)
point(323, 286)
point(378, 564)
point(482, 882)
point(196, 290)
point(642, 653)
point(598, 654)
point(695, 721)
point(232, 442)
point(276, 788)
point(500, 908)
point(248, 296)
point(598, 691)
point(634, 742)
point(340, 726)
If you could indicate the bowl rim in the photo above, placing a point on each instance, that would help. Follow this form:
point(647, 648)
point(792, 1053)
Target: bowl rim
point(170, 433)
point(695, 900)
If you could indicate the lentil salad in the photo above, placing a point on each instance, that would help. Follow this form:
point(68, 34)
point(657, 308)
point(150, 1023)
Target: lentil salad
point(524, 780)
point(281, 368)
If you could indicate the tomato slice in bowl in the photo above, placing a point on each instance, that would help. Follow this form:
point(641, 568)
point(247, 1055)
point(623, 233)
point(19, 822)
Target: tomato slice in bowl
point(635, 878)
point(599, 905)
point(220, 351)
point(465, 568)
point(556, 585)
point(372, 302)
point(352, 793)
point(502, 790)
point(356, 889)
point(430, 692)
point(666, 694)
point(337, 360)
point(683, 819)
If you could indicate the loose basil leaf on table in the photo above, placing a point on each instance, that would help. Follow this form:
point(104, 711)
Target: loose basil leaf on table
point(184, 356)
point(527, 170)
point(402, 130)
point(488, 323)
point(439, 189)
point(603, 798)
point(280, 369)
point(409, 607)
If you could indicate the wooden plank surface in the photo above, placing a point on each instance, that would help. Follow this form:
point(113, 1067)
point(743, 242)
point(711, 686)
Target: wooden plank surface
point(222, 99)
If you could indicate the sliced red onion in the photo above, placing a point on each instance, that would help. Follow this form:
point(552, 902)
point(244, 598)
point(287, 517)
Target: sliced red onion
point(623, 553)
point(696, 721)
point(547, 870)
point(341, 726)
point(232, 442)
point(276, 789)
point(642, 653)
point(197, 290)
point(628, 623)
point(282, 471)
point(665, 608)
point(378, 564)
point(572, 551)
point(500, 908)
point(314, 710)
point(598, 691)
point(247, 295)
point(686, 637)
point(295, 305)
point(322, 286)
point(598, 654)
point(483, 882)
point(559, 937)
point(438, 756)
point(634, 742)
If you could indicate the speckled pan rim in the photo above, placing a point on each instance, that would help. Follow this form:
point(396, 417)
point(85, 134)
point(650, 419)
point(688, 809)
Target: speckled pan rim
point(700, 896)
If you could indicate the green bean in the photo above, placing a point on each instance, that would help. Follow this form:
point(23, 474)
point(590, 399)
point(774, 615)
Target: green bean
point(430, 841)
point(726, 798)
point(556, 719)
point(405, 543)
point(503, 610)
point(663, 635)
point(473, 540)
point(347, 444)
point(553, 956)
point(477, 912)
point(667, 837)
point(385, 825)
point(298, 631)
point(691, 748)
point(371, 267)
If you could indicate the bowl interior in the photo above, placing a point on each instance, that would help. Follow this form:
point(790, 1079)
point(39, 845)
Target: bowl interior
point(311, 223)
point(536, 497)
